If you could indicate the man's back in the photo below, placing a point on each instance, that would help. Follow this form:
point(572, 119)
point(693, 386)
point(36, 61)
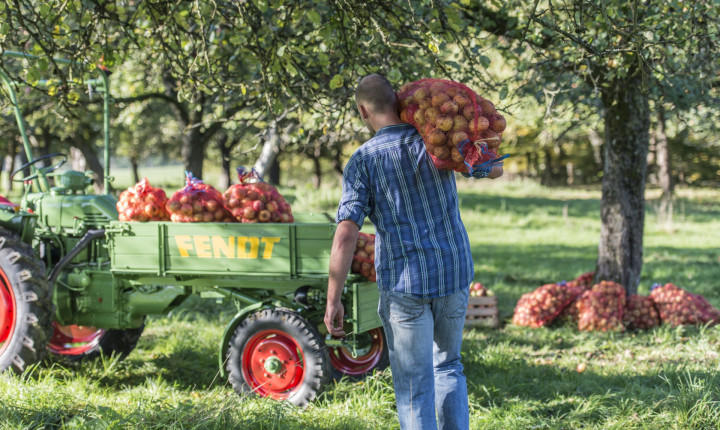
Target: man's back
point(422, 247)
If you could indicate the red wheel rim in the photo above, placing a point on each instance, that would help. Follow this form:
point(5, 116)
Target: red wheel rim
point(343, 361)
point(278, 348)
point(7, 311)
point(74, 339)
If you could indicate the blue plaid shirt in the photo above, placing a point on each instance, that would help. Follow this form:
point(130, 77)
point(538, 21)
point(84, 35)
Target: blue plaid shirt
point(421, 245)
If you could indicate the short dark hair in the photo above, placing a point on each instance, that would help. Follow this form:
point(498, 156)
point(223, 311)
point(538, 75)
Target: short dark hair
point(376, 91)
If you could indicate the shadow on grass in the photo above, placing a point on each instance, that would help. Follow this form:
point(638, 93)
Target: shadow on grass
point(550, 391)
point(694, 210)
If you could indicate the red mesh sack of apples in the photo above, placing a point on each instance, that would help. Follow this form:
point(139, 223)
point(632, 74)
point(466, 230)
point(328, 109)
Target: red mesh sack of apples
point(640, 313)
point(461, 130)
point(578, 286)
point(679, 307)
point(540, 307)
point(602, 307)
point(142, 202)
point(253, 200)
point(708, 314)
point(364, 256)
point(197, 202)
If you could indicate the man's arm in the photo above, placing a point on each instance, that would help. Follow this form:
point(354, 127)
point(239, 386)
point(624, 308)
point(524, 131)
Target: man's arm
point(341, 254)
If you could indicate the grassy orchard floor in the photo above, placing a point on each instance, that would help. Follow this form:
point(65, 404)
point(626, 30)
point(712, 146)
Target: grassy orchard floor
point(523, 235)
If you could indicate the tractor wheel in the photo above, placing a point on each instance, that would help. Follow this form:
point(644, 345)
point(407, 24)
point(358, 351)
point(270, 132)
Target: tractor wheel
point(25, 305)
point(372, 354)
point(277, 353)
point(75, 343)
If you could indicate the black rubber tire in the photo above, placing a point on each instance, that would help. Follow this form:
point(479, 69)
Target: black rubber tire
point(32, 304)
point(382, 364)
point(119, 342)
point(315, 364)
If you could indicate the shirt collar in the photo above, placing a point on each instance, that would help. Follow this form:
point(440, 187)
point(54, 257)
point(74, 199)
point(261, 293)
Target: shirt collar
point(391, 128)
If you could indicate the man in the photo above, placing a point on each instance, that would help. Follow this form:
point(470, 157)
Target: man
point(422, 257)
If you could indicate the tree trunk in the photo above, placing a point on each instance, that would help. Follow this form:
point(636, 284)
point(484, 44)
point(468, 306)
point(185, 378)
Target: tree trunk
point(596, 143)
point(193, 151)
point(317, 172)
point(90, 161)
point(622, 208)
point(134, 164)
point(273, 176)
point(225, 149)
point(547, 174)
point(664, 170)
point(270, 148)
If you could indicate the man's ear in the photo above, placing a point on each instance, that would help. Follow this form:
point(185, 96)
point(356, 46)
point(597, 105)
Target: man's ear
point(363, 112)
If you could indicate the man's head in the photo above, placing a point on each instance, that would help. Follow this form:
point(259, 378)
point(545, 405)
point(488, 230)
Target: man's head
point(375, 99)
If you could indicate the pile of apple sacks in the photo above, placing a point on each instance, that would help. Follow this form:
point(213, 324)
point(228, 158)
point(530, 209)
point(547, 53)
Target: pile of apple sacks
point(606, 307)
point(250, 201)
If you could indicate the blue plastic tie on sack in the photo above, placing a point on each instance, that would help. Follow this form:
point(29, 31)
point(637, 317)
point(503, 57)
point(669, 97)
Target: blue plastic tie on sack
point(655, 285)
point(481, 170)
point(562, 283)
point(243, 174)
point(191, 181)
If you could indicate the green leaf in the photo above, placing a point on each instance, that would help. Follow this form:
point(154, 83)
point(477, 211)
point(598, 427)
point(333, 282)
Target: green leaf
point(314, 16)
point(503, 93)
point(336, 82)
point(281, 51)
point(484, 60)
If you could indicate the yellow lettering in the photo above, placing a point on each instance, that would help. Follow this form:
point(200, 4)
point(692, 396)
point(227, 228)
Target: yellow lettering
point(269, 244)
point(242, 247)
point(242, 242)
point(227, 248)
point(202, 246)
point(254, 246)
point(184, 245)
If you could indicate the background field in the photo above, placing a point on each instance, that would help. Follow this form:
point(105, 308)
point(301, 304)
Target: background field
point(523, 235)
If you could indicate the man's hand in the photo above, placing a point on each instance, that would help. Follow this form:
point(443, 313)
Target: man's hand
point(334, 313)
point(340, 260)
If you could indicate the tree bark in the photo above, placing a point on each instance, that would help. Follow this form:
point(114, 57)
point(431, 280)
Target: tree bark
point(664, 169)
point(193, 149)
point(270, 149)
point(225, 149)
point(91, 161)
point(273, 176)
point(622, 208)
point(596, 143)
point(135, 166)
point(317, 172)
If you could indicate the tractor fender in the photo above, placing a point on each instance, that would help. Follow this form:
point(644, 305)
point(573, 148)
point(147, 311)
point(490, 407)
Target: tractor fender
point(230, 330)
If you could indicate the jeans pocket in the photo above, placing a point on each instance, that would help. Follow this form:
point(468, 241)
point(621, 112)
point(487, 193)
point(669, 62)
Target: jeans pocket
point(455, 305)
point(403, 308)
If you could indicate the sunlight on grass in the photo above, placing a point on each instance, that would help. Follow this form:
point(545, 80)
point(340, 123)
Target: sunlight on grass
point(522, 235)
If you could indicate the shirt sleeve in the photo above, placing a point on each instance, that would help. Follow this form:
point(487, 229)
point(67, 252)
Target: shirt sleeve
point(355, 200)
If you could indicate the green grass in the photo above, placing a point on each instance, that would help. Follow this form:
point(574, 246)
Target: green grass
point(523, 235)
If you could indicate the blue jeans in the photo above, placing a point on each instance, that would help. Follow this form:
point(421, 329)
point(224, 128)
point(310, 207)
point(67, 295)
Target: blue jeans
point(424, 337)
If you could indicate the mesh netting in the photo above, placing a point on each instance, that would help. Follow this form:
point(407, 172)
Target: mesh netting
point(197, 202)
point(253, 200)
point(461, 130)
point(142, 202)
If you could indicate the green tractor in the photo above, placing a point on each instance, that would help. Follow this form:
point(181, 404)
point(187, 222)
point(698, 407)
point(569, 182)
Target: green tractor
point(75, 282)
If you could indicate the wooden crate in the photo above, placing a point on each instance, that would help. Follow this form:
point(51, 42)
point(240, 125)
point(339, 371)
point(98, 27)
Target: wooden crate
point(482, 311)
